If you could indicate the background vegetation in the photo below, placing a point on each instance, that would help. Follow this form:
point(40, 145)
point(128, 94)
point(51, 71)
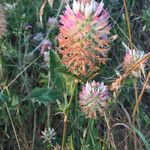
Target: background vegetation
point(31, 91)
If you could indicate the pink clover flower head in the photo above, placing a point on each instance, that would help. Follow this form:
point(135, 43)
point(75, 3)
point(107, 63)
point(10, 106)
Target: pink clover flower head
point(83, 36)
point(94, 97)
point(130, 58)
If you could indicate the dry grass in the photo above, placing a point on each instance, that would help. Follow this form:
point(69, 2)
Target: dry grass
point(2, 22)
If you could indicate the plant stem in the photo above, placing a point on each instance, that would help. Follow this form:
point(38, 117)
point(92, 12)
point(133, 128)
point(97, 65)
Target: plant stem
point(13, 126)
point(133, 119)
point(111, 137)
point(128, 23)
point(64, 131)
point(66, 115)
point(90, 129)
point(140, 97)
point(49, 105)
point(34, 128)
point(21, 73)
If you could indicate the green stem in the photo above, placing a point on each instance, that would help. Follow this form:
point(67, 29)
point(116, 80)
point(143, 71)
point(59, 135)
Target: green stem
point(128, 23)
point(34, 128)
point(13, 126)
point(49, 105)
point(64, 131)
point(111, 137)
point(66, 115)
point(90, 128)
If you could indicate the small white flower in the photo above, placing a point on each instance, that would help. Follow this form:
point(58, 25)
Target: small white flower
point(82, 7)
point(38, 37)
point(88, 10)
point(46, 57)
point(48, 135)
point(76, 6)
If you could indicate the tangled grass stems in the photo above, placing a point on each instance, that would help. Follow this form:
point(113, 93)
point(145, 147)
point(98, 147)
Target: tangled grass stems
point(13, 126)
point(128, 23)
point(128, 72)
point(133, 45)
point(135, 81)
point(8, 111)
point(7, 86)
point(141, 95)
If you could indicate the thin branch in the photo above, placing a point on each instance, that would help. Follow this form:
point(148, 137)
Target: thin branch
point(141, 95)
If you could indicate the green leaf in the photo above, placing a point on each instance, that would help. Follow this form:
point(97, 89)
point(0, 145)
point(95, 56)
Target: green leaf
point(61, 80)
point(44, 95)
point(70, 143)
point(15, 101)
point(57, 78)
point(3, 97)
point(54, 63)
point(64, 70)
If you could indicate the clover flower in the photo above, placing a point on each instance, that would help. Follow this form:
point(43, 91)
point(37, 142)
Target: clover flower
point(48, 135)
point(83, 38)
point(94, 97)
point(130, 58)
point(52, 21)
point(38, 37)
point(28, 27)
point(2, 22)
point(45, 45)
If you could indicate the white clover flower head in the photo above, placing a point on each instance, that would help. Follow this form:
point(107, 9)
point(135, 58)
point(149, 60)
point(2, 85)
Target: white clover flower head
point(48, 135)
